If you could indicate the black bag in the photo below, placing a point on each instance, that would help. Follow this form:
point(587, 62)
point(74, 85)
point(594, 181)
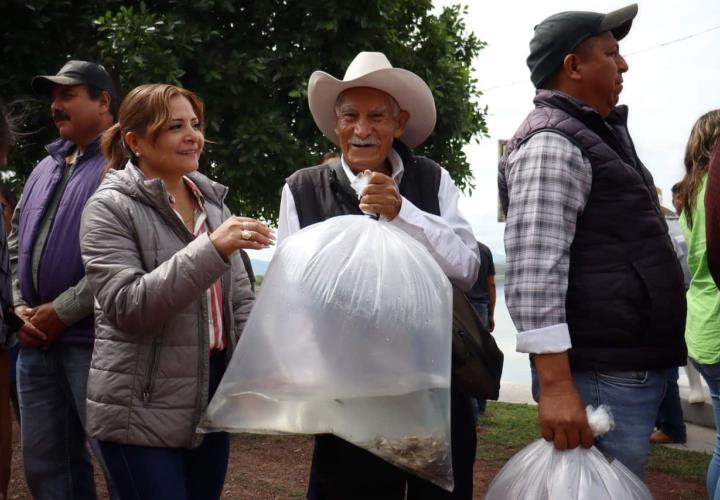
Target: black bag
point(476, 359)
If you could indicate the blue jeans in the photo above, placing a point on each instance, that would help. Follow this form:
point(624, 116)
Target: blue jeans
point(670, 417)
point(711, 374)
point(51, 392)
point(634, 398)
point(142, 472)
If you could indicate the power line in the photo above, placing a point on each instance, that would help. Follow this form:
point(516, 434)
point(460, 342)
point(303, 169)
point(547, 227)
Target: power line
point(646, 49)
point(670, 42)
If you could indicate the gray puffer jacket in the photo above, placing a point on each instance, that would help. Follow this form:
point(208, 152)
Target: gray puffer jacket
point(148, 382)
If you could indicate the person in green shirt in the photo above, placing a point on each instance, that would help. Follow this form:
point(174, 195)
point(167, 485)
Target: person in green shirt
point(702, 329)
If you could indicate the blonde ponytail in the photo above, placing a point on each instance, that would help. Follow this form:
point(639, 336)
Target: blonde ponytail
point(113, 148)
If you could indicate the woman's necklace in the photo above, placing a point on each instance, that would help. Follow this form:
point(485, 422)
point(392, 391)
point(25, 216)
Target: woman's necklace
point(189, 221)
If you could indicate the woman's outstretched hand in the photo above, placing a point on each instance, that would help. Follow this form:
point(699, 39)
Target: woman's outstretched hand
point(241, 232)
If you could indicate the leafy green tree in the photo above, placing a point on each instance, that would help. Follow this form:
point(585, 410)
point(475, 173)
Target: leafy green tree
point(250, 62)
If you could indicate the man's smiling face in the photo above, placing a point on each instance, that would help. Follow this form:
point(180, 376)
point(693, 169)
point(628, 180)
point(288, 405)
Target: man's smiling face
point(367, 122)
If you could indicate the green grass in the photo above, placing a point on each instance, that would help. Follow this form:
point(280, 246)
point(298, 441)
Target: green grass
point(507, 428)
point(504, 430)
point(690, 465)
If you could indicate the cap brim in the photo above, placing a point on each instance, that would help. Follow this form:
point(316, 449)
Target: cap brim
point(42, 85)
point(619, 21)
point(409, 90)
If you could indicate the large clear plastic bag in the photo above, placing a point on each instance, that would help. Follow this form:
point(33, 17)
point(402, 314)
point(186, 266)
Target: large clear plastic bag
point(541, 472)
point(350, 335)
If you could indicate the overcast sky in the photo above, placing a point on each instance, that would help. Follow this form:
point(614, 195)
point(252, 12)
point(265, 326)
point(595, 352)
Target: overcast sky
point(673, 52)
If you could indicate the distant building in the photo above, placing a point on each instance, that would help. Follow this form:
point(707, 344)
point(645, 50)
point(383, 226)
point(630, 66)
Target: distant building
point(502, 146)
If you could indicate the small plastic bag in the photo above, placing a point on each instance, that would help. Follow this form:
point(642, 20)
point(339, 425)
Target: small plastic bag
point(541, 472)
point(350, 335)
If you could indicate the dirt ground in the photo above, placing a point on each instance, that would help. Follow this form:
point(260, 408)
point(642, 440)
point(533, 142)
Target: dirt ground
point(276, 468)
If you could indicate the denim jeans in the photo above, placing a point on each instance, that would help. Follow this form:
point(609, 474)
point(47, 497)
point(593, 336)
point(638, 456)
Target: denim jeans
point(711, 374)
point(670, 417)
point(51, 392)
point(146, 473)
point(633, 398)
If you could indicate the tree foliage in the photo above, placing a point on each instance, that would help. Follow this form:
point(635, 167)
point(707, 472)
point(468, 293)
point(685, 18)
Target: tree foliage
point(250, 62)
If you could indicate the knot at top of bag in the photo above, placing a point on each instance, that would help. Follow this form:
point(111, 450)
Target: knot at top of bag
point(600, 419)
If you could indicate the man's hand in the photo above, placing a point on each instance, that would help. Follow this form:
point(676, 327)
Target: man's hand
point(561, 412)
point(491, 324)
point(29, 335)
point(381, 196)
point(45, 319)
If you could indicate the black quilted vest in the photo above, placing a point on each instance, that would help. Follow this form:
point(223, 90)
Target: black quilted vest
point(324, 191)
point(625, 301)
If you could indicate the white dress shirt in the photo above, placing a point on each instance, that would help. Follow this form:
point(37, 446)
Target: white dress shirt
point(448, 237)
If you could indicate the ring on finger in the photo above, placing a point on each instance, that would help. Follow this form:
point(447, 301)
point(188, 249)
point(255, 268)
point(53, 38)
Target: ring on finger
point(246, 235)
point(245, 225)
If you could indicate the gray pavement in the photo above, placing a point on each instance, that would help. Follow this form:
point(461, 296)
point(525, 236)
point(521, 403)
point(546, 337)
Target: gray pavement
point(699, 438)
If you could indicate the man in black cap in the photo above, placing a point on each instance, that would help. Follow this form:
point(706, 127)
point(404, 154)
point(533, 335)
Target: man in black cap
point(593, 284)
point(50, 293)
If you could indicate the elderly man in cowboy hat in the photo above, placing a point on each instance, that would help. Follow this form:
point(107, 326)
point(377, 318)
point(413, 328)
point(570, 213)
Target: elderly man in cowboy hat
point(375, 114)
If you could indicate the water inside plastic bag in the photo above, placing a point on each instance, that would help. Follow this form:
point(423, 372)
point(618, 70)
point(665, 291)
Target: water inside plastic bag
point(350, 335)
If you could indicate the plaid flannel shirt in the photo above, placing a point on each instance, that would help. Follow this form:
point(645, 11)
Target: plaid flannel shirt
point(548, 181)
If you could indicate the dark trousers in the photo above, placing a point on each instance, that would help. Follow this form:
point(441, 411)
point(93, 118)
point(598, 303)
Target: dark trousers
point(143, 472)
point(341, 470)
point(13, 381)
point(670, 416)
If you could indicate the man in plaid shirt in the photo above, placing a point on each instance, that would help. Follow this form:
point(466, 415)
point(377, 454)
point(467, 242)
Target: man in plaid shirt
point(593, 285)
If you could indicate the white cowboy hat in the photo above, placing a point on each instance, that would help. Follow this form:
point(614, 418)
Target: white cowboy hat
point(372, 69)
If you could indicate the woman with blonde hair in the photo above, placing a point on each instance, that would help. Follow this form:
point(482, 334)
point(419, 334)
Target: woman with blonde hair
point(160, 250)
point(702, 330)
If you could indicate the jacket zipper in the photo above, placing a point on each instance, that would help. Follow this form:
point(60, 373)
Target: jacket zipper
point(203, 362)
point(153, 365)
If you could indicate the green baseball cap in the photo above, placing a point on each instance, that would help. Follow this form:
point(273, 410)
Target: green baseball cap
point(559, 34)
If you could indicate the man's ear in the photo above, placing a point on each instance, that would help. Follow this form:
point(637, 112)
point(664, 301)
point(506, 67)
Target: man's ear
point(104, 101)
point(401, 121)
point(570, 66)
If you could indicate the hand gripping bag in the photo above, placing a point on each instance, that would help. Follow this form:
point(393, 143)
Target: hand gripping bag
point(541, 472)
point(350, 335)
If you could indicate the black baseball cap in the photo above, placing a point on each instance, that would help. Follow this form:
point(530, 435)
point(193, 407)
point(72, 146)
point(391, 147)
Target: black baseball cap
point(559, 34)
point(76, 73)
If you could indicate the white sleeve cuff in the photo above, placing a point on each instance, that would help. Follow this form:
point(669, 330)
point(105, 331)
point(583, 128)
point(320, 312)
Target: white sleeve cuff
point(406, 218)
point(549, 339)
